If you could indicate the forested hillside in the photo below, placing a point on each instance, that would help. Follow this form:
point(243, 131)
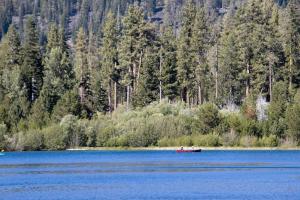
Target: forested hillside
point(149, 72)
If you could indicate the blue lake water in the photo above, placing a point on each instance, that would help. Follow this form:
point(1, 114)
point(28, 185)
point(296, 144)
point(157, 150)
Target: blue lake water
point(92, 175)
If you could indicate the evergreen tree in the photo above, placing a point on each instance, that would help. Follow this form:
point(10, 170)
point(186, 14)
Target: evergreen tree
point(277, 109)
point(83, 75)
point(148, 88)
point(185, 68)
point(292, 44)
point(168, 70)
point(199, 45)
point(12, 98)
point(31, 69)
point(230, 71)
point(109, 59)
point(136, 36)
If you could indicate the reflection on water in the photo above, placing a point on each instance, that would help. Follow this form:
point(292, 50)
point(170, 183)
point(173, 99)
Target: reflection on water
point(150, 175)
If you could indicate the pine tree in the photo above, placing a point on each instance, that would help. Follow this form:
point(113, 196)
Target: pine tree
point(185, 68)
point(230, 70)
point(82, 72)
point(292, 44)
point(148, 89)
point(12, 98)
point(199, 45)
point(32, 69)
point(168, 70)
point(109, 59)
point(136, 36)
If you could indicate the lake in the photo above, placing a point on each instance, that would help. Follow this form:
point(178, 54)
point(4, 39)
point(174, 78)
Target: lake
point(80, 175)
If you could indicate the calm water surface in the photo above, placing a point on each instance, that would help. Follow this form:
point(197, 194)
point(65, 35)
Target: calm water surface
point(150, 175)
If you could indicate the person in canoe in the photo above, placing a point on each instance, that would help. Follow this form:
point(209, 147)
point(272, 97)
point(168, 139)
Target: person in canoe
point(181, 148)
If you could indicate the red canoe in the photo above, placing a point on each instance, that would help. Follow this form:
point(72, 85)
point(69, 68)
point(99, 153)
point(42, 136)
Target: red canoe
point(188, 151)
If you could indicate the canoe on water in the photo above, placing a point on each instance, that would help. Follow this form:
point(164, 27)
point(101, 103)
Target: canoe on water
point(188, 151)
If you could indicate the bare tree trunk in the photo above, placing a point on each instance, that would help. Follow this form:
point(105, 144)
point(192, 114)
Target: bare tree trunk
point(290, 74)
point(160, 82)
point(217, 70)
point(217, 85)
point(115, 96)
point(139, 68)
point(127, 97)
point(109, 97)
point(199, 95)
point(187, 97)
point(270, 82)
point(248, 81)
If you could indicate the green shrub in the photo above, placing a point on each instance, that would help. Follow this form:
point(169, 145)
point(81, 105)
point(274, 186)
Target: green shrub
point(34, 140)
point(269, 141)
point(104, 133)
point(208, 118)
point(249, 141)
point(209, 140)
point(55, 138)
point(3, 133)
point(230, 139)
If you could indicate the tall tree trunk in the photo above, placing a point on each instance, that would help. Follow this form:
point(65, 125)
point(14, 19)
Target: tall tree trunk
point(290, 73)
point(115, 95)
point(127, 97)
point(187, 97)
point(217, 85)
point(139, 68)
point(199, 95)
point(109, 97)
point(160, 82)
point(270, 81)
point(217, 71)
point(248, 81)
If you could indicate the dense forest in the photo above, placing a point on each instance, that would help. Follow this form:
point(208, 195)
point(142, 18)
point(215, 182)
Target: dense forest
point(149, 73)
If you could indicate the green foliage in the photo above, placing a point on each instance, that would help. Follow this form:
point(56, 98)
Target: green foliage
point(208, 118)
point(87, 74)
point(55, 138)
point(3, 133)
point(269, 141)
point(293, 121)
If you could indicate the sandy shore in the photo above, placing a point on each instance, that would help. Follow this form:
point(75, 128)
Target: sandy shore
point(175, 148)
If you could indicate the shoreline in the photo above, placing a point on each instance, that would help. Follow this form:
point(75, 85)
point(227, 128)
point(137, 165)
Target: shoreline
point(176, 148)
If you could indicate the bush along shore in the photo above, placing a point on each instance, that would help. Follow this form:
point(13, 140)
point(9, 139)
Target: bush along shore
point(161, 125)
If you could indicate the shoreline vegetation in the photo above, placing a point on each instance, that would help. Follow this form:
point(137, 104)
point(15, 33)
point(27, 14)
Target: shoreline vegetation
point(199, 76)
point(157, 126)
point(176, 148)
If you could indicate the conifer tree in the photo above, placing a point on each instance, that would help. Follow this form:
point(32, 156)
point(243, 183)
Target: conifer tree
point(168, 70)
point(199, 45)
point(136, 36)
point(109, 59)
point(292, 44)
point(12, 98)
point(148, 88)
point(185, 68)
point(82, 72)
point(32, 69)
